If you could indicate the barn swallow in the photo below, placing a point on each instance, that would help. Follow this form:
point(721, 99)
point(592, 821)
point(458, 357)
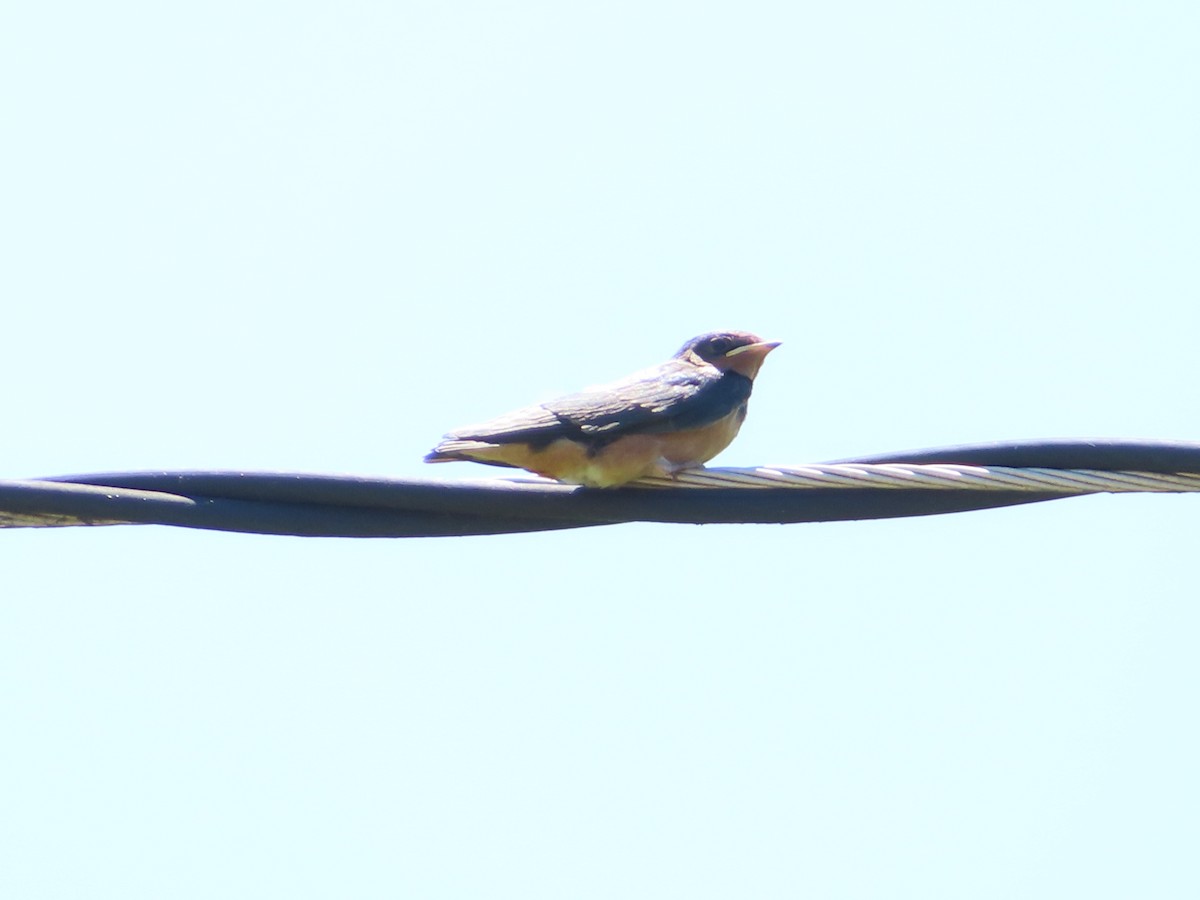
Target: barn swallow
point(674, 416)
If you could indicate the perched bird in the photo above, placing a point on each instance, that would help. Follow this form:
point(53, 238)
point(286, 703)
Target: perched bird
point(655, 422)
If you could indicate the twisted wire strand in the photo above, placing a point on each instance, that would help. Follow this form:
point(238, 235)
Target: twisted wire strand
point(929, 477)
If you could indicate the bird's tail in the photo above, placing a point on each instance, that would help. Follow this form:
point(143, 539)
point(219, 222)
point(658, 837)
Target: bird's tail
point(464, 451)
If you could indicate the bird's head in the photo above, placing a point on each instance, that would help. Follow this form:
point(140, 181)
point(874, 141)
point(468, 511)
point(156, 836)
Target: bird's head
point(729, 351)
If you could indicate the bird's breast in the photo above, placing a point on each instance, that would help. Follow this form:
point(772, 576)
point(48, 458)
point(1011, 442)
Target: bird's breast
point(698, 445)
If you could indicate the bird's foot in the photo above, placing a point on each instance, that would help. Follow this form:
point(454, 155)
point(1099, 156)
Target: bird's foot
point(672, 470)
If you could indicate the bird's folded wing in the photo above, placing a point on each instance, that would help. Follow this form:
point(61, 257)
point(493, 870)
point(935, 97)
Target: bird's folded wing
point(666, 399)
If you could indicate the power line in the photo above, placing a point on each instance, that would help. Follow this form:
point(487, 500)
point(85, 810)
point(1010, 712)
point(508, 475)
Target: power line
point(908, 483)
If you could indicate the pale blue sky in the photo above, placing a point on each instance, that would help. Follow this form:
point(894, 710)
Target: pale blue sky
point(315, 236)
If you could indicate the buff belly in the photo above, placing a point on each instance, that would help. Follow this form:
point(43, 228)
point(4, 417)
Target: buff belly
point(622, 460)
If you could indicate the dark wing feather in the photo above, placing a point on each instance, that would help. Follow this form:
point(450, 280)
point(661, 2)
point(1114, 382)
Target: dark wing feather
point(673, 396)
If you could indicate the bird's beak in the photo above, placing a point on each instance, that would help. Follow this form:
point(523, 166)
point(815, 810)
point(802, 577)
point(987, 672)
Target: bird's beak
point(759, 350)
point(748, 360)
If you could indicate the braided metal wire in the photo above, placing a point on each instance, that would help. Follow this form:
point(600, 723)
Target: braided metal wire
point(930, 477)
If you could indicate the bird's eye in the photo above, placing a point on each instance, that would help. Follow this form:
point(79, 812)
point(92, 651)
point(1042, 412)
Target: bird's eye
point(720, 346)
